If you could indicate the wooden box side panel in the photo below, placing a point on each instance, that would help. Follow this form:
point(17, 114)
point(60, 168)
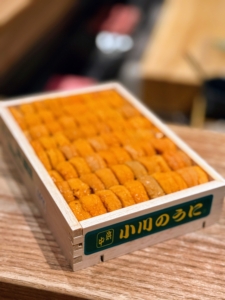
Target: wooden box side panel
point(40, 194)
point(139, 243)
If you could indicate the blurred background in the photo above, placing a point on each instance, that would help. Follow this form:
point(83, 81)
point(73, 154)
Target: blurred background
point(169, 53)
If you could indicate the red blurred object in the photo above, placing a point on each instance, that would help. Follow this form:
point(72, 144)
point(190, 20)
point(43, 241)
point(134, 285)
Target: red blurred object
point(68, 82)
point(122, 19)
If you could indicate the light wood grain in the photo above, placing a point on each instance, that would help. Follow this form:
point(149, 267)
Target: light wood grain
point(188, 27)
point(33, 267)
point(24, 24)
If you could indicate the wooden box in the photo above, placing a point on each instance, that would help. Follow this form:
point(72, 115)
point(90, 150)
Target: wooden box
point(118, 232)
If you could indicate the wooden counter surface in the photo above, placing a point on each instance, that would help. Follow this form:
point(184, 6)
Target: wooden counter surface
point(33, 267)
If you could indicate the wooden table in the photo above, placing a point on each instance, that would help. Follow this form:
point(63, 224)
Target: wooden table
point(33, 267)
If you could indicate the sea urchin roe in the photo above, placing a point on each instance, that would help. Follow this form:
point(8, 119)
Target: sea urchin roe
point(163, 144)
point(79, 188)
point(95, 162)
point(69, 151)
point(152, 187)
point(107, 177)
point(177, 159)
point(83, 147)
point(61, 139)
point(36, 146)
point(66, 170)
point(99, 148)
point(136, 190)
point(193, 175)
point(47, 142)
point(56, 177)
point(80, 165)
point(93, 182)
point(93, 205)
point(154, 164)
point(108, 157)
point(123, 173)
point(123, 194)
point(38, 131)
point(121, 154)
point(55, 157)
point(137, 168)
point(97, 143)
point(65, 190)
point(109, 200)
point(135, 150)
point(167, 182)
point(78, 210)
point(45, 160)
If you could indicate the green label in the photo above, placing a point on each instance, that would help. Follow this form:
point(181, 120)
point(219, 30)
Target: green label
point(142, 226)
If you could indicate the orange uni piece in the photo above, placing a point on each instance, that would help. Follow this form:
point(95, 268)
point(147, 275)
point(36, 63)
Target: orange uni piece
point(123, 194)
point(128, 111)
point(32, 120)
point(152, 187)
point(110, 139)
point(80, 165)
point(39, 105)
point(95, 162)
point(136, 190)
point(147, 147)
point(137, 168)
point(66, 170)
point(144, 134)
point(47, 142)
point(177, 159)
point(123, 173)
point(102, 128)
point(36, 146)
point(69, 151)
point(109, 200)
point(61, 139)
point(121, 154)
point(56, 177)
point(44, 159)
point(167, 182)
point(135, 150)
point(38, 131)
point(193, 175)
point(53, 127)
point(78, 210)
point(55, 157)
point(163, 144)
point(107, 177)
point(72, 134)
point(67, 122)
point(46, 116)
point(93, 205)
point(65, 190)
point(108, 157)
point(202, 176)
point(79, 188)
point(88, 130)
point(93, 182)
point(83, 147)
point(140, 122)
point(154, 164)
point(27, 108)
point(97, 143)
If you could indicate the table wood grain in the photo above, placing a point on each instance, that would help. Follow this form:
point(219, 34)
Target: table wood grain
point(33, 267)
